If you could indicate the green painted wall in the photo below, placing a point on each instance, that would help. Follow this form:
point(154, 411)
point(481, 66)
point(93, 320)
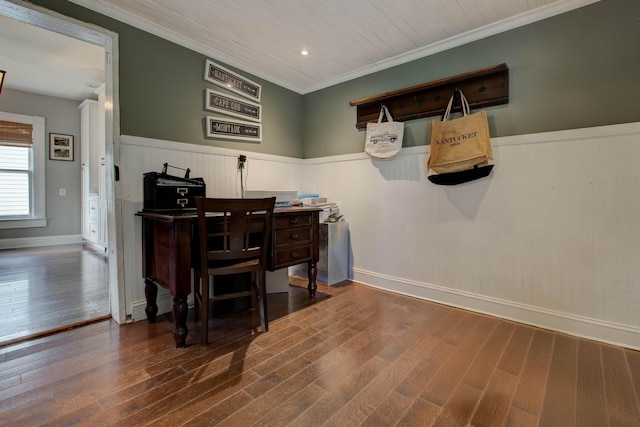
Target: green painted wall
point(162, 96)
point(162, 91)
point(575, 70)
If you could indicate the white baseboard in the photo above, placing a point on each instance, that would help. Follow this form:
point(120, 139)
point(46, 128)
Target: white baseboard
point(96, 246)
point(608, 332)
point(32, 242)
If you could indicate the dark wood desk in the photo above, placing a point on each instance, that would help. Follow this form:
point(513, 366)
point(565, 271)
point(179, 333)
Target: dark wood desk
point(167, 255)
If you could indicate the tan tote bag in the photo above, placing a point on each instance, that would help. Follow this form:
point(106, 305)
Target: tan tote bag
point(460, 143)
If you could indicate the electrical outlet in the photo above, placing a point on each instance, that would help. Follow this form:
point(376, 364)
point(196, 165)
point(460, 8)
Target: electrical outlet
point(241, 160)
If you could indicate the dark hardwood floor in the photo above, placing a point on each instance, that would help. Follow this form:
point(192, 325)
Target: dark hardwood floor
point(358, 357)
point(46, 289)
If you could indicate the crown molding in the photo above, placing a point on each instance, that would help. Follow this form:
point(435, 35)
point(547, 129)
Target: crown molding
point(504, 25)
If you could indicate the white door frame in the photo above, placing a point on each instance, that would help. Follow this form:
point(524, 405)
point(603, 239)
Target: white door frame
point(52, 21)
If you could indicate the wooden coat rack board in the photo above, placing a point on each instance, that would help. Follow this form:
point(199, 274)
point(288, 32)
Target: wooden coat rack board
point(482, 88)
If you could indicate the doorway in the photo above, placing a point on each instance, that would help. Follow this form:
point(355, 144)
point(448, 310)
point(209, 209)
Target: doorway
point(88, 33)
point(47, 289)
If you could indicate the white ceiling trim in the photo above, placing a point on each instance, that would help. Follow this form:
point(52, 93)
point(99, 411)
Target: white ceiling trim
point(172, 36)
point(456, 41)
point(516, 21)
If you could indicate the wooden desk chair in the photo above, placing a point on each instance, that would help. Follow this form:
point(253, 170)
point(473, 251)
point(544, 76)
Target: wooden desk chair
point(233, 237)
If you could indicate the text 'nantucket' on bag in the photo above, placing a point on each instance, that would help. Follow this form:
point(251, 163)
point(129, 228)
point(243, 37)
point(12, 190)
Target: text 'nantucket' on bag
point(459, 144)
point(383, 140)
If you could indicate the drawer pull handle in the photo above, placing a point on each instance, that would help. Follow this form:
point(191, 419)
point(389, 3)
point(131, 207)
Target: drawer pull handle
point(295, 236)
point(182, 191)
point(293, 221)
point(183, 202)
point(295, 255)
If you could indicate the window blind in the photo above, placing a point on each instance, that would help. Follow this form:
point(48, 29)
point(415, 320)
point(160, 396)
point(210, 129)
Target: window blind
point(16, 134)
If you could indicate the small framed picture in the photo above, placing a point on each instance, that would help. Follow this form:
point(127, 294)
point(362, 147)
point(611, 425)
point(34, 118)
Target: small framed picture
point(60, 147)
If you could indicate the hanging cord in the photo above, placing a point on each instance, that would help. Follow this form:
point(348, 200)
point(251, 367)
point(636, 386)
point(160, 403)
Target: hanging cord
point(241, 185)
point(241, 168)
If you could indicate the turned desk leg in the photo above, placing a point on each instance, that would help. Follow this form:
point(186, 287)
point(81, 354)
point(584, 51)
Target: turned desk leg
point(180, 331)
point(151, 293)
point(312, 273)
point(179, 310)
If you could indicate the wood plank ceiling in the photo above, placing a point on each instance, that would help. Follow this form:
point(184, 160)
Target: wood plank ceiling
point(345, 38)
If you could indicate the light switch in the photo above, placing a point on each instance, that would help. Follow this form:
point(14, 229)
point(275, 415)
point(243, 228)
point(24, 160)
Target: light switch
point(63, 192)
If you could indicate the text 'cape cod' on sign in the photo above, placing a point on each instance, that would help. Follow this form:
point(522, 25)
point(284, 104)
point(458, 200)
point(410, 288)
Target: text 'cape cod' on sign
point(220, 127)
point(232, 105)
point(226, 78)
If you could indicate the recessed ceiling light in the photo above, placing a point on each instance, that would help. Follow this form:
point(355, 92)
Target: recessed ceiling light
point(304, 52)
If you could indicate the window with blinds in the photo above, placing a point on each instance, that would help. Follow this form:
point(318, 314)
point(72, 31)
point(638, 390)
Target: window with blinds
point(16, 169)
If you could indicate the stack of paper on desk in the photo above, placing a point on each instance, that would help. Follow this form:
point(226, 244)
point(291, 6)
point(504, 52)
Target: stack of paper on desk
point(283, 198)
point(312, 201)
point(330, 210)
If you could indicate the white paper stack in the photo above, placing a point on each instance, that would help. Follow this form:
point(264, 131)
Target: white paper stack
point(330, 210)
point(313, 201)
point(283, 198)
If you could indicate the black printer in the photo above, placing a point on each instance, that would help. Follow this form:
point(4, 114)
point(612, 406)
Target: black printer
point(164, 192)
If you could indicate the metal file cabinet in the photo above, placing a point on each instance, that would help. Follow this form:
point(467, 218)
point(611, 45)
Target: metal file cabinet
point(333, 263)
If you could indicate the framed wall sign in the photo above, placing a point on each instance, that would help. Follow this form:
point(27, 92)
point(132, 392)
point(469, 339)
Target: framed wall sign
point(232, 105)
point(60, 147)
point(227, 128)
point(229, 80)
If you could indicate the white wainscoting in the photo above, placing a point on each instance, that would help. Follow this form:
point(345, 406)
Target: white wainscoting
point(551, 238)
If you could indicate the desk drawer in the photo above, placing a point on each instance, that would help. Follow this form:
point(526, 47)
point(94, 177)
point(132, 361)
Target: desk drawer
point(292, 256)
point(292, 236)
point(299, 219)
